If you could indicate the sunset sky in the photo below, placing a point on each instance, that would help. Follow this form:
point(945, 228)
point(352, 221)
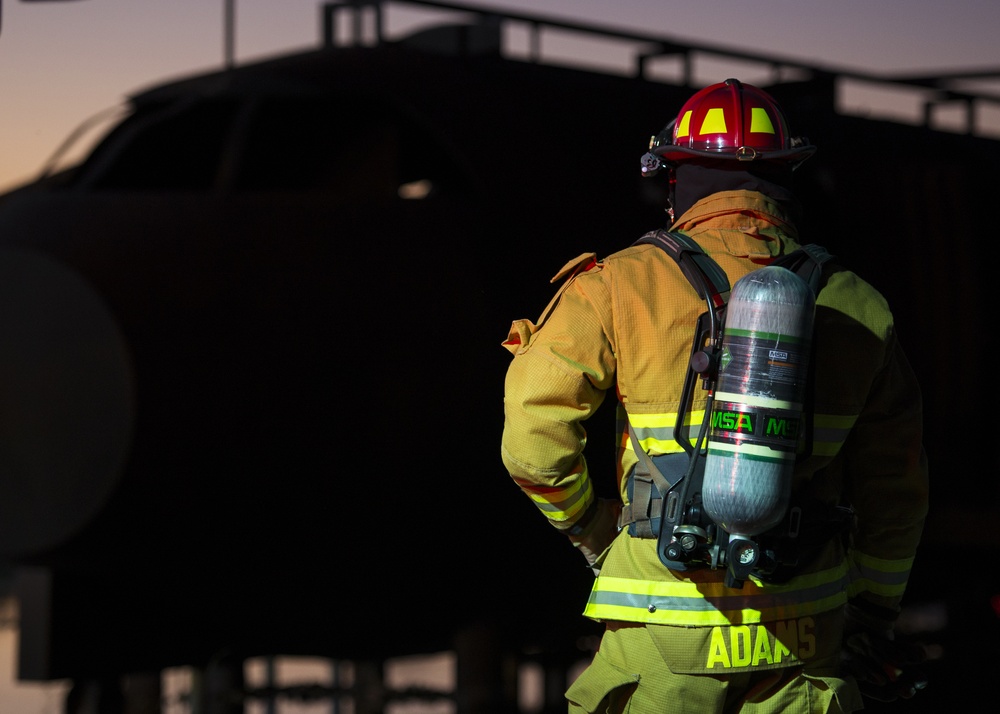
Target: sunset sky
point(62, 62)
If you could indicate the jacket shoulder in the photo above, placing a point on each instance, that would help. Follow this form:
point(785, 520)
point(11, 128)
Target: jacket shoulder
point(846, 292)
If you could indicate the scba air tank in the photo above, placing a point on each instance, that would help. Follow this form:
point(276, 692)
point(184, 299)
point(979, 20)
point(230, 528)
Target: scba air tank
point(757, 410)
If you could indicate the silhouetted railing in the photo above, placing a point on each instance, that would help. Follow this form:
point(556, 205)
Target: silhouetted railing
point(921, 100)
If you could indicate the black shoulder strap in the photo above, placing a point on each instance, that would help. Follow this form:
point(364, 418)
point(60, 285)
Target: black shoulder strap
point(703, 273)
point(807, 262)
point(711, 281)
point(712, 285)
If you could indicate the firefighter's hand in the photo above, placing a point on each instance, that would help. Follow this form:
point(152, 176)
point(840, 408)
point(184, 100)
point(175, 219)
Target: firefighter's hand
point(594, 534)
point(885, 667)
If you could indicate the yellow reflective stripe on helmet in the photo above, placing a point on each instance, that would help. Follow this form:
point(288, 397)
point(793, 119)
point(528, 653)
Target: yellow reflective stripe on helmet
point(709, 604)
point(714, 122)
point(684, 125)
point(760, 122)
point(830, 432)
point(883, 577)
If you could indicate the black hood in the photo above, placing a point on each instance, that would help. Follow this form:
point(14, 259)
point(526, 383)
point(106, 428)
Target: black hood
point(695, 181)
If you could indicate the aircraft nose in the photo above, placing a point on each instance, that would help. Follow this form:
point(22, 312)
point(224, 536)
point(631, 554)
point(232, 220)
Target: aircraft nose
point(66, 402)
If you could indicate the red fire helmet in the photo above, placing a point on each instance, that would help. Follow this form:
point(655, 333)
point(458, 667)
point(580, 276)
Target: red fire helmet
point(728, 121)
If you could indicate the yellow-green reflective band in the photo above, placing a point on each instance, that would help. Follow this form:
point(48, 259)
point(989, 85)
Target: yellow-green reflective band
point(656, 431)
point(563, 504)
point(830, 432)
point(684, 126)
point(750, 451)
point(663, 420)
point(755, 401)
point(760, 122)
point(705, 604)
point(835, 422)
point(887, 578)
point(714, 122)
point(655, 447)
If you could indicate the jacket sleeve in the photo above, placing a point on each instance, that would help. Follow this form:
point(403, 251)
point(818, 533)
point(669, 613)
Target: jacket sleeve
point(556, 381)
point(888, 485)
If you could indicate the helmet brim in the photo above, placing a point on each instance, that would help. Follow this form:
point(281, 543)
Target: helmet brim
point(674, 154)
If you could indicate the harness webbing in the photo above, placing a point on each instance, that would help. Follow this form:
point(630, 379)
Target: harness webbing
point(649, 486)
point(645, 502)
point(702, 272)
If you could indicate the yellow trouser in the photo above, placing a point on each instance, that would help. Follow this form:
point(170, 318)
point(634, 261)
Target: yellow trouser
point(639, 670)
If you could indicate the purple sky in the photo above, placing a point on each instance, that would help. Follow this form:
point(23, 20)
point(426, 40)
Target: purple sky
point(61, 62)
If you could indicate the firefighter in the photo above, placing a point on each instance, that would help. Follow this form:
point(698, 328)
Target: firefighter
point(814, 631)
